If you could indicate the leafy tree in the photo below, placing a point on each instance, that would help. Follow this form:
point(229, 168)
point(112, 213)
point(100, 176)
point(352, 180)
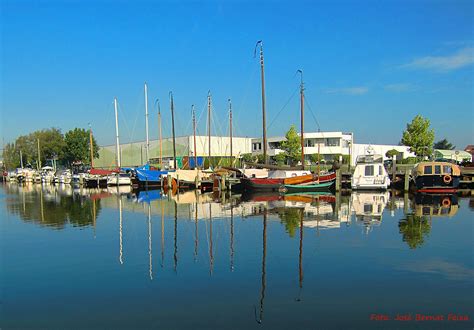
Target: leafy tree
point(391, 153)
point(260, 159)
point(280, 158)
point(443, 145)
point(11, 156)
point(414, 229)
point(315, 158)
point(419, 137)
point(77, 146)
point(292, 146)
point(248, 158)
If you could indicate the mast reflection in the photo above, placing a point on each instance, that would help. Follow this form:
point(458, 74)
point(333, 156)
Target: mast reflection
point(264, 256)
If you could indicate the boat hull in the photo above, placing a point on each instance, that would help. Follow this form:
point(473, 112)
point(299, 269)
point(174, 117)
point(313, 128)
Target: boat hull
point(270, 184)
point(289, 188)
point(436, 183)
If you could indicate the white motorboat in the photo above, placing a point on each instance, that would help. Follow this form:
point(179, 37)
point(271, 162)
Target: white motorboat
point(370, 174)
point(119, 179)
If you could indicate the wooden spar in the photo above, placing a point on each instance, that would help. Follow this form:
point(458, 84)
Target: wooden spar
point(230, 133)
point(302, 118)
point(39, 155)
point(117, 141)
point(21, 159)
point(301, 251)
point(194, 137)
point(264, 125)
point(161, 137)
point(172, 129)
point(91, 146)
point(147, 147)
point(209, 123)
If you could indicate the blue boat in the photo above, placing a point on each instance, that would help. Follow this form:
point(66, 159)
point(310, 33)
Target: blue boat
point(149, 177)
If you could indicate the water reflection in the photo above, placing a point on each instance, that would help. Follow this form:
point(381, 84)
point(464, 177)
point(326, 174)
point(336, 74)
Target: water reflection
point(247, 246)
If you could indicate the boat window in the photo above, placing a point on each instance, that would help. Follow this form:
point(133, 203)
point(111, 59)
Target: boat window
point(369, 170)
point(426, 210)
point(428, 169)
point(446, 169)
point(368, 208)
point(380, 170)
point(437, 169)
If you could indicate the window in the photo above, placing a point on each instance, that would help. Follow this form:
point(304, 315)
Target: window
point(380, 170)
point(369, 170)
point(447, 169)
point(368, 208)
point(437, 169)
point(333, 142)
point(428, 169)
point(309, 143)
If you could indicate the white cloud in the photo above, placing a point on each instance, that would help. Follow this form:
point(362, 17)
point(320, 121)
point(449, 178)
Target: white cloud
point(462, 58)
point(400, 87)
point(360, 90)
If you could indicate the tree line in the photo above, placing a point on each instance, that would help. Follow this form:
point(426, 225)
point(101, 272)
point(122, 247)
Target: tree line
point(41, 147)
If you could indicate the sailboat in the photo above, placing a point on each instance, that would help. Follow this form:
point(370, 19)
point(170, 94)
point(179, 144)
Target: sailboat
point(147, 175)
point(285, 179)
point(95, 177)
point(118, 179)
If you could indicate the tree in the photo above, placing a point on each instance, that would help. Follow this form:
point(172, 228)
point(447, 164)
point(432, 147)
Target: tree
point(291, 146)
point(391, 153)
point(291, 217)
point(77, 146)
point(280, 158)
point(315, 158)
point(419, 137)
point(248, 158)
point(443, 145)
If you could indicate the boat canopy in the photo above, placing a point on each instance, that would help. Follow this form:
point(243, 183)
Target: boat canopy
point(437, 168)
point(457, 155)
point(364, 159)
point(98, 171)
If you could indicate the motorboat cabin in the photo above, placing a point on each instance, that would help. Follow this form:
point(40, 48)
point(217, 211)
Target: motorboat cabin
point(436, 176)
point(370, 174)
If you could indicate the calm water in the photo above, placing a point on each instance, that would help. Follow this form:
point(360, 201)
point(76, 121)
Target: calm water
point(73, 258)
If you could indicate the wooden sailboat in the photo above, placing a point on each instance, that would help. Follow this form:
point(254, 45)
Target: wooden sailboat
point(285, 179)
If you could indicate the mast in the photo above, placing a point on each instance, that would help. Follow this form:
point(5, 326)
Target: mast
point(194, 136)
point(161, 137)
point(91, 146)
point(117, 142)
point(300, 264)
point(175, 257)
point(211, 255)
point(39, 155)
point(146, 125)
point(149, 243)
point(119, 200)
point(302, 118)
point(264, 256)
point(209, 123)
point(21, 159)
point(264, 125)
point(231, 236)
point(172, 125)
point(230, 132)
point(195, 231)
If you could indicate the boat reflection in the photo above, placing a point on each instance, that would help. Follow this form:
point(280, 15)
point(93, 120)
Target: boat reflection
point(436, 205)
point(368, 208)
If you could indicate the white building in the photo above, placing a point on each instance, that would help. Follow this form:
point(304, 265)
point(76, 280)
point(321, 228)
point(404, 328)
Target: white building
point(327, 144)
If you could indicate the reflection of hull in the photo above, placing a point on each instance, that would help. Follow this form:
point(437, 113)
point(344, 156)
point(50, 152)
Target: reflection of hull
point(368, 207)
point(436, 204)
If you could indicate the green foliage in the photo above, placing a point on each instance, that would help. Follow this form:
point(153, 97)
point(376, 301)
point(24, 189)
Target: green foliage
point(419, 137)
point(443, 145)
point(414, 229)
point(280, 158)
point(409, 160)
point(391, 153)
point(77, 146)
point(11, 156)
point(260, 159)
point(291, 146)
point(248, 158)
point(315, 158)
point(291, 217)
point(346, 159)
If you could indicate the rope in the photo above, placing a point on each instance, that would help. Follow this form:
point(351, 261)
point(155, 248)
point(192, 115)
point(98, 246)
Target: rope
point(279, 112)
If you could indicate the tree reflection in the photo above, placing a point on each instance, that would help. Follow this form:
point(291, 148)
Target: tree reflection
point(55, 212)
point(414, 229)
point(290, 217)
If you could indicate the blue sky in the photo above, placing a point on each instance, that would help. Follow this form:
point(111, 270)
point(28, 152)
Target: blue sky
point(369, 67)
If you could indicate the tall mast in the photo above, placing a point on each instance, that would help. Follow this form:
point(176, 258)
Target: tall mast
point(117, 142)
point(230, 131)
point(161, 138)
point(172, 125)
point(264, 125)
point(302, 118)
point(91, 146)
point(21, 159)
point(147, 149)
point(194, 136)
point(39, 155)
point(209, 123)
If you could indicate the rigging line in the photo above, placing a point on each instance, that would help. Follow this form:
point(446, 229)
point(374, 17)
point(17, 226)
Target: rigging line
point(312, 113)
point(279, 112)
